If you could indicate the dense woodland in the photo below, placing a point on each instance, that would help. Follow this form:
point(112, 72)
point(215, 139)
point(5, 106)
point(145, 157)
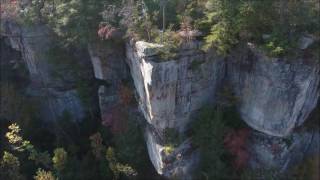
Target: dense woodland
point(65, 149)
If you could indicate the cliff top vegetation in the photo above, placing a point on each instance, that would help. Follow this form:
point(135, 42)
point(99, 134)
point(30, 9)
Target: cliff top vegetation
point(276, 26)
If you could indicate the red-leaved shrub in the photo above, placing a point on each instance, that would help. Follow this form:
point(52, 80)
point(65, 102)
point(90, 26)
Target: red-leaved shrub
point(106, 31)
point(126, 95)
point(9, 8)
point(115, 118)
point(236, 143)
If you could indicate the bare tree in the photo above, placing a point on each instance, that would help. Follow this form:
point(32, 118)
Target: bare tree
point(163, 4)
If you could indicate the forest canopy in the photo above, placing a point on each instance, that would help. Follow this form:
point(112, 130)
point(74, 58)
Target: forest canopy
point(274, 25)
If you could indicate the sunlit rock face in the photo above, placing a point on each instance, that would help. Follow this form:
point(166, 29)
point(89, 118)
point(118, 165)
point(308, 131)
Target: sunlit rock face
point(57, 95)
point(169, 92)
point(275, 95)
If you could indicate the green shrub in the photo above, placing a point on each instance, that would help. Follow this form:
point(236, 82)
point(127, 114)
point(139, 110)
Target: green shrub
point(231, 22)
point(170, 41)
point(208, 133)
point(172, 139)
point(277, 45)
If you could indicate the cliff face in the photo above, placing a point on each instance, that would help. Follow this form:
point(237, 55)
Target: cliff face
point(169, 92)
point(55, 95)
point(275, 96)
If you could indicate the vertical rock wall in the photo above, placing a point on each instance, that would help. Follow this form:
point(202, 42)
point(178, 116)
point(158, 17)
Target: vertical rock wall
point(56, 96)
point(169, 92)
point(275, 96)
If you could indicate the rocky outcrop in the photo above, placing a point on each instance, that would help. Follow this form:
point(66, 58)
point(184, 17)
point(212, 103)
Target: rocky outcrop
point(169, 92)
point(275, 95)
point(282, 153)
point(56, 96)
point(179, 164)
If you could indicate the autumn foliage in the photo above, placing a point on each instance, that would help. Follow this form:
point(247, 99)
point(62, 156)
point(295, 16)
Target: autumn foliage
point(115, 119)
point(9, 8)
point(236, 143)
point(126, 95)
point(105, 32)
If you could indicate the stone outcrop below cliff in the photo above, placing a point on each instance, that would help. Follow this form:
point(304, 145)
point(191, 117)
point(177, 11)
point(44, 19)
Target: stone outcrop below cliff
point(283, 153)
point(56, 96)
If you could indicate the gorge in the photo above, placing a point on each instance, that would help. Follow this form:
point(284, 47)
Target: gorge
point(275, 98)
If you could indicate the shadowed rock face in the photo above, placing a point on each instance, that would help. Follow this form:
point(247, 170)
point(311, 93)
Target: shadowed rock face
point(282, 153)
point(109, 62)
point(274, 96)
point(56, 96)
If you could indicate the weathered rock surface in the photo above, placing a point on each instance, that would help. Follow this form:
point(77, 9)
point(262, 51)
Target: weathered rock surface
point(57, 97)
point(169, 92)
point(275, 96)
